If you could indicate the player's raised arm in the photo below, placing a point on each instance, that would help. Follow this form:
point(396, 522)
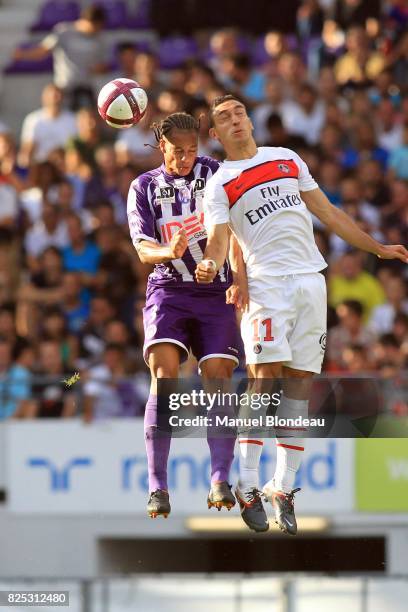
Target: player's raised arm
point(215, 253)
point(342, 225)
point(216, 218)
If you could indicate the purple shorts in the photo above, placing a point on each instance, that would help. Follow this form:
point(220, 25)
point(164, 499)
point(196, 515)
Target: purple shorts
point(194, 319)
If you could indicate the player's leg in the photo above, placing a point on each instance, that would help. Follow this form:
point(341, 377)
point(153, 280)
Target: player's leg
point(217, 345)
point(290, 446)
point(307, 342)
point(221, 443)
point(164, 362)
point(165, 345)
point(264, 330)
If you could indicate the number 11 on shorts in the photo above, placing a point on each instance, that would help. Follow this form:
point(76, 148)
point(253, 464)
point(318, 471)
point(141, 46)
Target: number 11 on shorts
point(267, 325)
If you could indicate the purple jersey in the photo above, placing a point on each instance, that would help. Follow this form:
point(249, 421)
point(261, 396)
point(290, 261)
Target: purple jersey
point(159, 204)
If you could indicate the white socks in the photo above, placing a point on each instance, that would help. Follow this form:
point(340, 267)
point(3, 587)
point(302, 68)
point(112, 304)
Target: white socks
point(289, 449)
point(250, 450)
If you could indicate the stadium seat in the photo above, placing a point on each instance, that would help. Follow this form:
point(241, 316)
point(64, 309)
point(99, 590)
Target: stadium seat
point(175, 50)
point(53, 12)
point(29, 66)
point(116, 14)
point(141, 18)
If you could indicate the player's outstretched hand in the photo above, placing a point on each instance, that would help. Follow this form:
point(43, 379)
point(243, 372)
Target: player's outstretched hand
point(393, 251)
point(206, 271)
point(238, 295)
point(178, 244)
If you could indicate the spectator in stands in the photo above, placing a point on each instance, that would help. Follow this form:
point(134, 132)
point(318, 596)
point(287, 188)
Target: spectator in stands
point(14, 383)
point(8, 325)
point(116, 276)
point(200, 79)
point(398, 161)
point(349, 331)
point(355, 359)
point(359, 65)
point(79, 53)
point(223, 43)
point(42, 177)
point(364, 144)
point(52, 398)
point(272, 103)
point(329, 178)
point(81, 255)
point(293, 72)
point(126, 59)
point(389, 130)
point(64, 200)
point(243, 79)
point(74, 302)
point(43, 288)
point(92, 343)
point(375, 189)
point(48, 231)
point(46, 129)
point(351, 282)
point(387, 356)
point(54, 327)
point(108, 392)
point(383, 316)
point(306, 116)
point(146, 73)
point(277, 135)
point(10, 172)
point(9, 204)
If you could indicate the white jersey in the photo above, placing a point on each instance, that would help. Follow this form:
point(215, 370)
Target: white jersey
point(260, 199)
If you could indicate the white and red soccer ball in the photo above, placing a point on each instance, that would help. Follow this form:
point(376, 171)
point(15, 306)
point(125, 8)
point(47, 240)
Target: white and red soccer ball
point(122, 103)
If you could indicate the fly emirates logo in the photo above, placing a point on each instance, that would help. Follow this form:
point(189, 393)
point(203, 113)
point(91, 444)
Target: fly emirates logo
point(274, 201)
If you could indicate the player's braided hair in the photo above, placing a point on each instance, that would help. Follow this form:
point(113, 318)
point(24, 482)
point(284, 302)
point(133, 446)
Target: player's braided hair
point(178, 121)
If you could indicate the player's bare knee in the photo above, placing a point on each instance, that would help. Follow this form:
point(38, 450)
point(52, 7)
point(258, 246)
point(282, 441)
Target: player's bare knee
point(267, 370)
point(217, 368)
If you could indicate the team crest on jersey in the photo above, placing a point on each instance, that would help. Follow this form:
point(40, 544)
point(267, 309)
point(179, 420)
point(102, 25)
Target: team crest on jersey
point(284, 168)
point(165, 195)
point(257, 349)
point(199, 186)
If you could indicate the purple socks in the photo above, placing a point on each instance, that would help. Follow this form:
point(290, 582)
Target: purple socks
point(157, 447)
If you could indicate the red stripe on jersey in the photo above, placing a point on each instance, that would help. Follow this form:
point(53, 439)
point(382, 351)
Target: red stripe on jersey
point(242, 441)
point(257, 175)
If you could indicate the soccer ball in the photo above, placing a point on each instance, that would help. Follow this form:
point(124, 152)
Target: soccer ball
point(122, 103)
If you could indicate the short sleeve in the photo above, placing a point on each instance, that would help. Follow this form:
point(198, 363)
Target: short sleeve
point(140, 216)
point(306, 181)
point(50, 41)
point(28, 128)
point(216, 205)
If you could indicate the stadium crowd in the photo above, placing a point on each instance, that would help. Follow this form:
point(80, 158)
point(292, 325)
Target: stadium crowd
point(71, 285)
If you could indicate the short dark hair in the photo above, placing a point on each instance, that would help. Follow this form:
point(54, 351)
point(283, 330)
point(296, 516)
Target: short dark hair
point(354, 306)
point(218, 101)
point(175, 121)
point(94, 13)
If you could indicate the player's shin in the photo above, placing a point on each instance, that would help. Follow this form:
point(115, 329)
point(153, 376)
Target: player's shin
point(221, 442)
point(157, 440)
point(290, 442)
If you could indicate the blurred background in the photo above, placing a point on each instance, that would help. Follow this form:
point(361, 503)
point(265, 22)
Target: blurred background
point(327, 78)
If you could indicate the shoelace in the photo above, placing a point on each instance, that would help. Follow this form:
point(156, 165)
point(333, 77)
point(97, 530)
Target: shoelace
point(288, 499)
point(252, 496)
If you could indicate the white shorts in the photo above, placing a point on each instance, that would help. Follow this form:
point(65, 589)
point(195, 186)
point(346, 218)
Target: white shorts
point(287, 321)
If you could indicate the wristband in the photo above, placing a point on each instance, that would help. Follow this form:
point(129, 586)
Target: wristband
point(211, 264)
